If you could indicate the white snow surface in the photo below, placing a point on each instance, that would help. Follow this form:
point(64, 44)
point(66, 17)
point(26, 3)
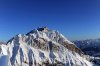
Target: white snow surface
point(22, 50)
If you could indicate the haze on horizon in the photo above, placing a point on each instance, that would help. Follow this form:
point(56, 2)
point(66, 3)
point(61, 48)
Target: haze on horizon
point(76, 19)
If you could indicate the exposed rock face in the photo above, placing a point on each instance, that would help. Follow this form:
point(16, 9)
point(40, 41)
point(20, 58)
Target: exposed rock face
point(45, 29)
point(43, 47)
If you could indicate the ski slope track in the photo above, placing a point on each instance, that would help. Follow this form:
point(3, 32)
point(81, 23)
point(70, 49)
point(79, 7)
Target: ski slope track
point(41, 47)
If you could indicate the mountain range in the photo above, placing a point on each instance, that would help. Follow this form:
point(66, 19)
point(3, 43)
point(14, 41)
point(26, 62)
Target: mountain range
point(90, 47)
point(42, 47)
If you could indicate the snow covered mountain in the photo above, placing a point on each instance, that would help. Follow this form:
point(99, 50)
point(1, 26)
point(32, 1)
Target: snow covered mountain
point(90, 47)
point(41, 47)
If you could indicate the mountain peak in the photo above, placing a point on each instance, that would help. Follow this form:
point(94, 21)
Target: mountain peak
point(42, 45)
point(42, 28)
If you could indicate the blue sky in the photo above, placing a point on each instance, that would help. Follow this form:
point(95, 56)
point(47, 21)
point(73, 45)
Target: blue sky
point(76, 19)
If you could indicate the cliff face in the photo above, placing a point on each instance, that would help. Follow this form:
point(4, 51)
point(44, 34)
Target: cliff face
point(45, 36)
point(43, 47)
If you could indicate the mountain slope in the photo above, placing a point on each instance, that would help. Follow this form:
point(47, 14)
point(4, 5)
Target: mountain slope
point(43, 47)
